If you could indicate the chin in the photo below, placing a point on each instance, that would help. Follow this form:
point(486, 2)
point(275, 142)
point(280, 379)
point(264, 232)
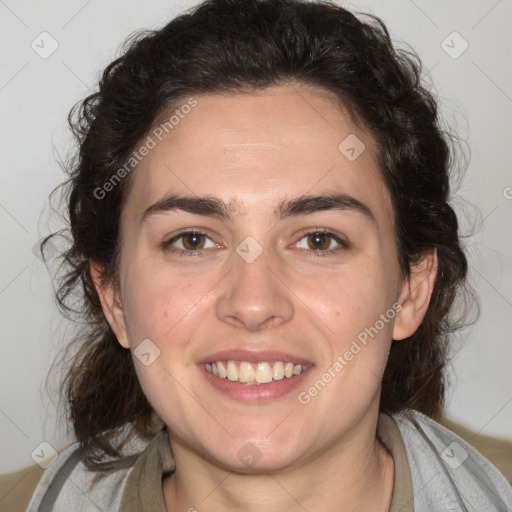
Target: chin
point(256, 453)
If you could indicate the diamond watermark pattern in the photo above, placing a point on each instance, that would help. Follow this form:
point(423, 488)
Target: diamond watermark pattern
point(249, 454)
point(44, 454)
point(146, 352)
point(454, 455)
point(454, 45)
point(44, 45)
point(249, 249)
point(352, 147)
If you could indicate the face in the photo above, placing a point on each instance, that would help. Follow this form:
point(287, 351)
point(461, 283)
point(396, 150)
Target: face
point(283, 253)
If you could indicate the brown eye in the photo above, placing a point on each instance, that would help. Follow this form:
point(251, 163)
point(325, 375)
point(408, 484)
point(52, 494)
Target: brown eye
point(189, 243)
point(193, 241)
point(320, 241)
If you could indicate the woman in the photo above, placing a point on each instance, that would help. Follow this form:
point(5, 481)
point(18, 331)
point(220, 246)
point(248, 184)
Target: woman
point(267, 257)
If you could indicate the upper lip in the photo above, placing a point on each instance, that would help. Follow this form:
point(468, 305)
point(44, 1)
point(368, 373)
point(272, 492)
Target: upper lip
point(253, 356)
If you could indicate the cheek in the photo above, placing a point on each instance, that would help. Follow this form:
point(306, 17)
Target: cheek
point(348, 301)
point(159, 305)
point(165, 308)
point(349, 305)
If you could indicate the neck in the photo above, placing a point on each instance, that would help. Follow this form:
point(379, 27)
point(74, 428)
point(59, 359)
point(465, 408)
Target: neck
point(355, 473)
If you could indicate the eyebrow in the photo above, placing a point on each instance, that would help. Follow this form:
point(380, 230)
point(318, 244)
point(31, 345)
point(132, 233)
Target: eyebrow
point(214, 207)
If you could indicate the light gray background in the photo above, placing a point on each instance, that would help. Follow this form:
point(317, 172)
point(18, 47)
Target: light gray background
point(36, 95)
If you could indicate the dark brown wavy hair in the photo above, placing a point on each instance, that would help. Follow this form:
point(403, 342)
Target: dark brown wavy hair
point(242, 46)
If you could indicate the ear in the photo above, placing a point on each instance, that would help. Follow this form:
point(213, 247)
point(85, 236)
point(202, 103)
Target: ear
point(415, 295)
point(112, 307)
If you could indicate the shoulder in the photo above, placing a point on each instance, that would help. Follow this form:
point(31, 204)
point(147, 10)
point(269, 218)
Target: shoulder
point(447, 471)
point(67, 484)
point(495, 449)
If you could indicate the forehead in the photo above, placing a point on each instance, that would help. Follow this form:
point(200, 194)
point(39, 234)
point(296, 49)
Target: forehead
point(254, 150)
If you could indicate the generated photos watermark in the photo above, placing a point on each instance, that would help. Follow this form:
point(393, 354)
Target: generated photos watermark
point(304, 397)
point(143, 150)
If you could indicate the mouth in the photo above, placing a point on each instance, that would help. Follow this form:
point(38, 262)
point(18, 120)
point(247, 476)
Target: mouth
point(254, 377)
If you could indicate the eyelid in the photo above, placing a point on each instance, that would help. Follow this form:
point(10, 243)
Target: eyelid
point(326, 231)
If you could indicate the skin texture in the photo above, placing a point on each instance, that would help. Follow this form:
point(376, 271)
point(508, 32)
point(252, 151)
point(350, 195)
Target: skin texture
point(255, 151)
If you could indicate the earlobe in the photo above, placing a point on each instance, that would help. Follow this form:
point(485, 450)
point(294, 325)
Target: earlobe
point(112, 307)
point(415, 295)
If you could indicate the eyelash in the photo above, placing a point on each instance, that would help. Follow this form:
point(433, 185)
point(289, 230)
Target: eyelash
point(316, 253)
point(312, 253)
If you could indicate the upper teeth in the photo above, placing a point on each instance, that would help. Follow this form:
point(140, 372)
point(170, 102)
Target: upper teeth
point(248, 373)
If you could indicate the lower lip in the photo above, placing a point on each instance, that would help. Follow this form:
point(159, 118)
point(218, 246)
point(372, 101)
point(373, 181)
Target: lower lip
point(255, 393)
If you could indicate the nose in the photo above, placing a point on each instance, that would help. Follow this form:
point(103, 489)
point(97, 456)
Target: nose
point(255, 295)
